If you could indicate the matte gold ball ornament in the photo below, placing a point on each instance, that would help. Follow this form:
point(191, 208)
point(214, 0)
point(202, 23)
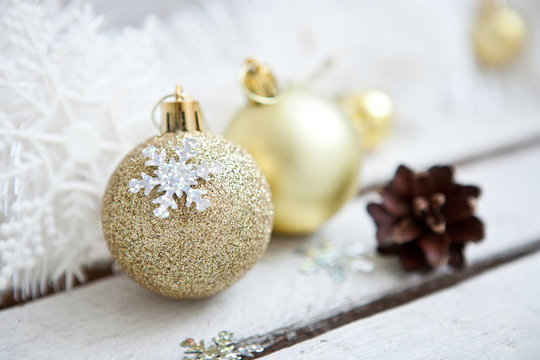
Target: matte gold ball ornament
point(305, 144)
point(372, 113)
point(498, 34)
point(186, 213)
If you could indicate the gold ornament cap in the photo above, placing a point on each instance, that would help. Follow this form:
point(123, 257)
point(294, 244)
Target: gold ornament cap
point(183, 114)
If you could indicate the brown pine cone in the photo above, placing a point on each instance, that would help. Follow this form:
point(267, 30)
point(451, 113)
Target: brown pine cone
point(426, 218)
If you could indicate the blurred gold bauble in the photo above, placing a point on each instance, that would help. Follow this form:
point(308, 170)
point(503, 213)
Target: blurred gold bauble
point(372, 113)
point(498, 34)
point(305, 145)
point(188, 251)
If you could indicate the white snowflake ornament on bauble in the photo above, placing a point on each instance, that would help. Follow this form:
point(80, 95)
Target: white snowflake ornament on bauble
point(174, 178)
point(214, 211)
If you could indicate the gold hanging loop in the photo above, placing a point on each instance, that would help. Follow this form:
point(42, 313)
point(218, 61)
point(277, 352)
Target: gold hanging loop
point(258, 83)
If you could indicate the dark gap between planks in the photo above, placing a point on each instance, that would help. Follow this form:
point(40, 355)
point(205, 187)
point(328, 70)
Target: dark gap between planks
point(293, 335)
point(100, 271)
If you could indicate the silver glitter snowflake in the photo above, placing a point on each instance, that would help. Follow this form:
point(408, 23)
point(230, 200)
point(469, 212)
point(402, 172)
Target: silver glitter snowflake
point(223, 348)
point(175, 177)
point(335, 260)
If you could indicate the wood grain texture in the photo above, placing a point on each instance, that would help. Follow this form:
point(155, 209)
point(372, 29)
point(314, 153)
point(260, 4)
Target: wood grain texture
point(115, 316)
point(420, 142)
point(286, 337)
point(494, 316)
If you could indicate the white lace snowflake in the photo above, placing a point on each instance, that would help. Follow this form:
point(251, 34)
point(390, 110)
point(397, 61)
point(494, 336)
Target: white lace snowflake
point(175, 177)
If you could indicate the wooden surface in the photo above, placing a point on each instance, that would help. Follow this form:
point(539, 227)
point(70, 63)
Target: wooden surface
point(274, 303)
point(488, 311)
point(494, 316)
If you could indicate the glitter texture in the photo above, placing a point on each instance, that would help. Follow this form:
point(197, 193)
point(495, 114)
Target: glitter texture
point(192, 254)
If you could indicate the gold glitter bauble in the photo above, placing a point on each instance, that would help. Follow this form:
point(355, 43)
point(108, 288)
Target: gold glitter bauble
point(190, 253)
point(308, 150)
point(498, 34)
point(372, 113)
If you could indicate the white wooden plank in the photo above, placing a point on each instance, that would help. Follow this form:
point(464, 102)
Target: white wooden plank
point(494, 316)
point(115, 316)
point(443, 139)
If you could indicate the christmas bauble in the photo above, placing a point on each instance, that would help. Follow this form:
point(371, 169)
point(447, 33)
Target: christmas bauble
point(307, 148)
point(372, 113)
point(499, 34)
point(186, 214)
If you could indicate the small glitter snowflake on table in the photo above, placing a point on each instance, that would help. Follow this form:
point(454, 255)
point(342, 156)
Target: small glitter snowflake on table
point(175, 177)
point(223, 348)
point(335, 260)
